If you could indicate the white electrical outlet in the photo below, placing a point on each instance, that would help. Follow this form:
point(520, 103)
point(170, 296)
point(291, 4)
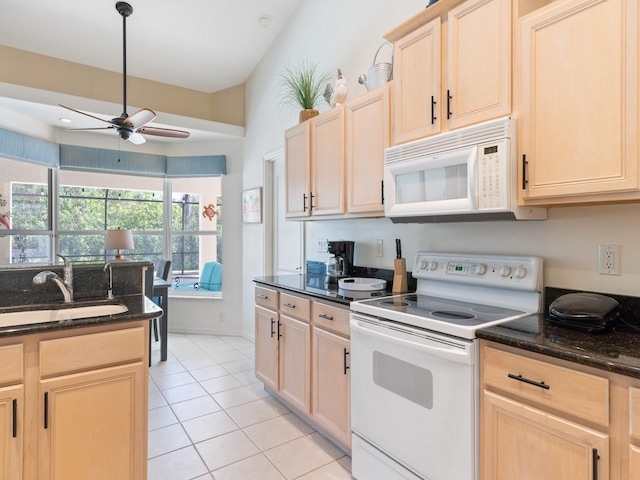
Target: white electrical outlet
point(322, 244)
point(609, 259)
point(379, 247)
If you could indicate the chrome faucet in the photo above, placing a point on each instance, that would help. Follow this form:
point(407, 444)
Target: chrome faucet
point(65, 285)
point(110, 290)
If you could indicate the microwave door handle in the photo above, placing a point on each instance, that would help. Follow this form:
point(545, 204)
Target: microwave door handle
point(472, 177)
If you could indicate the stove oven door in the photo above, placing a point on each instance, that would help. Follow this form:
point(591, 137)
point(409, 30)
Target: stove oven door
point(413, 403)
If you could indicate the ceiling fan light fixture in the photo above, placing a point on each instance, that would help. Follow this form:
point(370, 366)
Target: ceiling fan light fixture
point(130, 127)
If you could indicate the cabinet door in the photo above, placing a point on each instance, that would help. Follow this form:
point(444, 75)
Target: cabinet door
point(522, 442)
point(94, 425)
point(478, 62)
point(266, 345)
point(367, 135)
point(11, 432)
point(331, 384)
point(417, 65)
point(580, 101)
point(634, 462)
point(293, 349)
point(327, 163)
point(297, 168)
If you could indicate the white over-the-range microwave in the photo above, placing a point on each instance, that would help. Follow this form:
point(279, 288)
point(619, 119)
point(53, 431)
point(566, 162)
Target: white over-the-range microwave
point(468, 174)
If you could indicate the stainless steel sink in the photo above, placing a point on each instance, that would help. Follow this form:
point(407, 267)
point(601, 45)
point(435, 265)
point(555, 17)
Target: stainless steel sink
point(69, 312)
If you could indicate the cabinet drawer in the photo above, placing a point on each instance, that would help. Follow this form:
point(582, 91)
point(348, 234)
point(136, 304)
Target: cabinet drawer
point(267, 298)
point(634, 412)
point(330, 317)
point(295, 306)
point(11, 364)
point(65, 355)
point(575, 393)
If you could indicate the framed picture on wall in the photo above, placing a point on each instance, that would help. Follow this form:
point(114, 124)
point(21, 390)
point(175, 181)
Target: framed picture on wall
point(252, 205)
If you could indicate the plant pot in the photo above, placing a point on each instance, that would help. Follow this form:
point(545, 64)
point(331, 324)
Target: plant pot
point(308, 113)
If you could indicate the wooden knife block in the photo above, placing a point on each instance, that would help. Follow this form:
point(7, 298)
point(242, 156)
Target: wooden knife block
point(400, 276)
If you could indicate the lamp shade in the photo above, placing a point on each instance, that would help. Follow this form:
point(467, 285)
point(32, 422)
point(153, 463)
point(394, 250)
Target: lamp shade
point(118, 240)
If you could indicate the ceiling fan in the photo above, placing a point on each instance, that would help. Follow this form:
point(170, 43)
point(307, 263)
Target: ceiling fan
point(132, 127)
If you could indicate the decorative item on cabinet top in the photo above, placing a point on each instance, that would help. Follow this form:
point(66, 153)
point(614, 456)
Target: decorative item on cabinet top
point(336, 96)
point(302, 87)
point(379, 73)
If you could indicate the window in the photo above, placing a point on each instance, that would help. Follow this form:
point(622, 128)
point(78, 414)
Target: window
point(25, 219)
point(196, 235)
point(90, 203)
point(86, 204)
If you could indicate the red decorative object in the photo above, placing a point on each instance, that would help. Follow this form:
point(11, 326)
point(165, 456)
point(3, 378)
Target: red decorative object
point(209, 212)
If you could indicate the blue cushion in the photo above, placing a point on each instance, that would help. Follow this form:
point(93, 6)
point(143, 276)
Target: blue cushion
point(211, 277)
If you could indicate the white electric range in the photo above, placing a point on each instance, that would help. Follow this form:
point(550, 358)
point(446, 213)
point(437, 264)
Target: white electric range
point(414, 375)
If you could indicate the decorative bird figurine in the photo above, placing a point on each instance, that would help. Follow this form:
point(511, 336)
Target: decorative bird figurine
point(336, 96)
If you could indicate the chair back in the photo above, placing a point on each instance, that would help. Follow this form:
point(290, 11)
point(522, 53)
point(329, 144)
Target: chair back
point(211, 277)
point(148, 281)
point(164, 269)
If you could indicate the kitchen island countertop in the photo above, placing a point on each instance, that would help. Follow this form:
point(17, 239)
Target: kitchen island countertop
point(138, 306)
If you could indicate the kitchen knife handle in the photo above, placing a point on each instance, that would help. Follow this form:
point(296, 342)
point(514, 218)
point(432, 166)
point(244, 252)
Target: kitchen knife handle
point(398, 249)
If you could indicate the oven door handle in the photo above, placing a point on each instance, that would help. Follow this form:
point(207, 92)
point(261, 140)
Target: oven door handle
point(420, 344)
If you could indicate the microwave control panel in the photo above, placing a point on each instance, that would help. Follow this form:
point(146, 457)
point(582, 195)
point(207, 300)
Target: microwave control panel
point(492, 175)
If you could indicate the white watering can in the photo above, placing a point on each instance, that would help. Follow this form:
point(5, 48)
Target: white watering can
point(379, 73)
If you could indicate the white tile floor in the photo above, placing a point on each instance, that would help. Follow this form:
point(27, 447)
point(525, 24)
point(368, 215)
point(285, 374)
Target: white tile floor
point(210, 418)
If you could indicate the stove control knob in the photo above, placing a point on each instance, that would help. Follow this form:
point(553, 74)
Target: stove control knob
point(505, 271)
point(480, 269)
point(520, 272)
point(433, 265)
point(424, 265)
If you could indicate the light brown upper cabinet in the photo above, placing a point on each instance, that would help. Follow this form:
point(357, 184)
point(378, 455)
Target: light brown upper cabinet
point(452, 67)
point(314, 166)
point(297, 150)
point(368, 133)
point(580, 102)
point(334, 162)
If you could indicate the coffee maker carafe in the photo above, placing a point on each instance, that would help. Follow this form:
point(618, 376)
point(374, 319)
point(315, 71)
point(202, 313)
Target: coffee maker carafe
point(341, 261)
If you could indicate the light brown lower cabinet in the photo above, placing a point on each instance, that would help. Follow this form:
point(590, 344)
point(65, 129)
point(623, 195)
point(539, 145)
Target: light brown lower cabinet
point(528, 443)
point(547, 418)
point(331, 383)
point(302, 357)
point(11, 448)
point(80, 408)
point(294, 345)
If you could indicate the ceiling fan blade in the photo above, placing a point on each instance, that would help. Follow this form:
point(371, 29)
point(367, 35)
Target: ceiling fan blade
point(87, 114)
point(86, 129)
point(136, 139)
point(140, 118)
point(163, 132)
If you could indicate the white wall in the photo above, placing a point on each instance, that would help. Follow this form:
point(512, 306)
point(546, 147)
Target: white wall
point(335, 34)
point(568, 240)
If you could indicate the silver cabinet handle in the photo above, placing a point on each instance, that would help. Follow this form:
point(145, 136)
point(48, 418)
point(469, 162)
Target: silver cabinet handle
point(264, 297)
point(290, 305)
point(325, 316)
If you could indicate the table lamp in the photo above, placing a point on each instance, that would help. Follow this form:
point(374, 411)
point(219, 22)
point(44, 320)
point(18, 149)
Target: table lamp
point(118, 240)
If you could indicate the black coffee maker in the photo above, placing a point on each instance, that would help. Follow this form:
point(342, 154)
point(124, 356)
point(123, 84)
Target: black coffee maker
point(341, 262)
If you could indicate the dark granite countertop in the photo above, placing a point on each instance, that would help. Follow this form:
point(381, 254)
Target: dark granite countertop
point(138, 306)
point(616, 351)
point(313, 286)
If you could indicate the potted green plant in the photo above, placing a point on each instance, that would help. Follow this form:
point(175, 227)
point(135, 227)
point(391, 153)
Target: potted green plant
point(302, 87)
